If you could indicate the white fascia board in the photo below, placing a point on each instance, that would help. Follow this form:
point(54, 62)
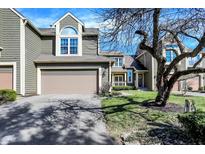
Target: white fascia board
point(70, 14)
point(18, 14)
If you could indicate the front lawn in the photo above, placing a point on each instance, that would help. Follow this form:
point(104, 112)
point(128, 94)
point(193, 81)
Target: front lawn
point(126, 117)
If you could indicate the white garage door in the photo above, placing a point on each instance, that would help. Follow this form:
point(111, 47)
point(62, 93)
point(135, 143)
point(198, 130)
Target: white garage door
point(69, 81)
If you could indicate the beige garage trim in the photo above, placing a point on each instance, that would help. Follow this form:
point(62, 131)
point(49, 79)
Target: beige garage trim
point(6, 77)
point(69, 81)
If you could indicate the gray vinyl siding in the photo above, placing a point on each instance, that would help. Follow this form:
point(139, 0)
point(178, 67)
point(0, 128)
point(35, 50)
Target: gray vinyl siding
point(48, 45)
point(90, 45)
point(68, 21)
point(33, 50)
point(148, 75)
point(1, 17)
point(10, 40)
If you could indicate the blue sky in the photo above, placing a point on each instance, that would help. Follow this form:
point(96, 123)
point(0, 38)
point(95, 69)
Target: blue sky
point(44, 17)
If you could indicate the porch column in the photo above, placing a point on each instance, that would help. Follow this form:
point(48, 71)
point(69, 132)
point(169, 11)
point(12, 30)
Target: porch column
point(136, 80)
point(201, 82)
point(142, 80)
point(125, 78)
point(110, 77)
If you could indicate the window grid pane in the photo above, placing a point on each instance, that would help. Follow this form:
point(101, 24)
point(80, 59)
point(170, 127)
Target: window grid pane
point(168, 56)
point(129, 74)
point(64, 46)
point(73, 46)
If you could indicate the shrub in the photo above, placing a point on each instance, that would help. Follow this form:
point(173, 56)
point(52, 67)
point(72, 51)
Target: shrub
point(190, 88)
point(201, 88)
point(7, 95)
point(194, 124)
point(105, 88)
point(123, 88)
point(116, 93)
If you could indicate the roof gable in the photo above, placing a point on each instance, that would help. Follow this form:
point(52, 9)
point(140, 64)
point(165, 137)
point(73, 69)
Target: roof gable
point(17, 13)
point(68, 14)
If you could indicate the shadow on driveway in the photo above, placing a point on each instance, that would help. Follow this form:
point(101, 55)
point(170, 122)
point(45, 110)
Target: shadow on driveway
point(55, 121)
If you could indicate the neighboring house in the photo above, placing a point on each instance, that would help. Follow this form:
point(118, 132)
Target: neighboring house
point(62, 59)
point(192, 80)
point(126, 71)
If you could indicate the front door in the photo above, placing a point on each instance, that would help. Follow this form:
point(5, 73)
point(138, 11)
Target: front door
point(140, 81)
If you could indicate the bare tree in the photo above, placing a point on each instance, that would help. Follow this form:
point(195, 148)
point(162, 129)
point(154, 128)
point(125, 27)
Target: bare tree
point(151, 27)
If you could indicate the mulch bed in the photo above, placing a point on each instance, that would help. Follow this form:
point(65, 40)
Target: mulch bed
point(170, 107)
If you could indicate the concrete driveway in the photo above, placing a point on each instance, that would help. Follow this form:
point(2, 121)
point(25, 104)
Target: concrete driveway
point(53, 119)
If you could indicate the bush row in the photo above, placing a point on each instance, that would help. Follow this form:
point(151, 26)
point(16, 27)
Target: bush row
point(194, 125)
point(7, 95)
point(123, 88)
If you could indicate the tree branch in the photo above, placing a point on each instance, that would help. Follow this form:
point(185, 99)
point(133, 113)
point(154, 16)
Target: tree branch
point(178, 74)
point(199, 61)
point(188, 35)
point(143, 45)
point(156, 15)
point(194, 53)
point(176, 38)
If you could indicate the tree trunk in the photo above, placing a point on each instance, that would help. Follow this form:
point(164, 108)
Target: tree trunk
point(162, 96)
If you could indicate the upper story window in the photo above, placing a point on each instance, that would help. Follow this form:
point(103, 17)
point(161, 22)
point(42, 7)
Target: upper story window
point(69, 41)
point(118, 61)
point(170, 55)
point(193, 60)
point(129, 76)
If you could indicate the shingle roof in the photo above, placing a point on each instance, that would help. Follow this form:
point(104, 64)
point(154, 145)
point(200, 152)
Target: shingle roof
point(131, 62)
point(51, 31)
point(47, 31)
point(111, 53)
point(45, 58)
point(91, 31)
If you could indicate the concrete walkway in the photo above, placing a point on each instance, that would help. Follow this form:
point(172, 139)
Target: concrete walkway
point(53, 119)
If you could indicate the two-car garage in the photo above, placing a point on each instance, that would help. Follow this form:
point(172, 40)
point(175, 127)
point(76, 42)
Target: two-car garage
point(69, 81)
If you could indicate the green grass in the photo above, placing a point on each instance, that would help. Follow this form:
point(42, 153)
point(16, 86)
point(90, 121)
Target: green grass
point(174, 98)
point(126, 116)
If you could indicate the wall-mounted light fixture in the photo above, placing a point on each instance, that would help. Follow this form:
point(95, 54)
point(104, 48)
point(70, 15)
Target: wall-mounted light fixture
point(0, 50)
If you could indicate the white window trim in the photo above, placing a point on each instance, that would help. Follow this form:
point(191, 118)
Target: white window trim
point(59, 36)
point(13, 64)
point(118, 61)
point(131, 76)
point(70, 37)
point(119, 75)
point(39, 68)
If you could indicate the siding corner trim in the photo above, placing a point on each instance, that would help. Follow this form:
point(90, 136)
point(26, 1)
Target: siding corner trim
point(22, 56)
